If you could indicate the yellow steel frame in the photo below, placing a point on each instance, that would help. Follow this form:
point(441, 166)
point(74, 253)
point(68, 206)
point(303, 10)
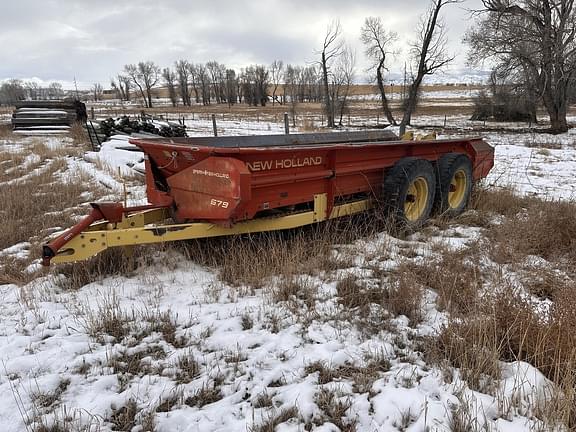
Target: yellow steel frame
point(138, 229)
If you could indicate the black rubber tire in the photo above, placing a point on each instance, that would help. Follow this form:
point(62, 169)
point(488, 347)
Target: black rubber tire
point(397, 182)
point(446, 168)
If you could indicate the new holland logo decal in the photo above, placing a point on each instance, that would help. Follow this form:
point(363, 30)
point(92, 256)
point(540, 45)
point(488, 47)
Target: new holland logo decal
point(285, 163)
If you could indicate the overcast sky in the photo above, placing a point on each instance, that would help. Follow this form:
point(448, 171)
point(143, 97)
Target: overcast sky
point(92, 40)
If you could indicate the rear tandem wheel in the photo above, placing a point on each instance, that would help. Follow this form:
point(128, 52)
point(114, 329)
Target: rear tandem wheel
point(408, 192)
point(454, 186)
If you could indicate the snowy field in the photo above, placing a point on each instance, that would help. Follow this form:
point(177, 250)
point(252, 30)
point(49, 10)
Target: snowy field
point(176, 345)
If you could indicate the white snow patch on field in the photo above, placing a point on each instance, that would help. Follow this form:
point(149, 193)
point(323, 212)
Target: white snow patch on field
point(545, 173)
point(50, 345)
point(113, 153)
point(47, 343)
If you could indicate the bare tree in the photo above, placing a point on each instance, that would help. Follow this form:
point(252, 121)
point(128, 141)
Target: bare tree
point(123, 87)
point(217, 74)
point(33, 90)
point(131, 71)
point(117, 90)
point(55, 90)
point(183, 72)
point(170, 80)
point(276, 73)
point(97, 91)
point(291, 79)
point(535, 40)
point(378, 46)
point(343, 78)
point(231, 87)
point(145, 76)
point(203, 80)
point(331, 49)
point(255, 85)
point(194, 81)
point(429, 52)
point(12, 91)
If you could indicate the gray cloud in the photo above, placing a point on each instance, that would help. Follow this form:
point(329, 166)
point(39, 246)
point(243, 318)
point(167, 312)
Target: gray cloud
point(63, 39)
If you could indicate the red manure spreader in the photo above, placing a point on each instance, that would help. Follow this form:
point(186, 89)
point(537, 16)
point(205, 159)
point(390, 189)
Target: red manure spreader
point(218, 186)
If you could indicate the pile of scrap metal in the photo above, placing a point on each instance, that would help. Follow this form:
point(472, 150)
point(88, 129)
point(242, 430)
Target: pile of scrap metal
point(143, 126)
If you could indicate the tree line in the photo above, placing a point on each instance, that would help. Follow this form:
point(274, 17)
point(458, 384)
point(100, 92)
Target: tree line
point(213, 82)
point(14, 90)
point(327, 80)
point(531, 43)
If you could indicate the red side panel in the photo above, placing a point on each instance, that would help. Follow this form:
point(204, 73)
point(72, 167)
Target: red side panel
point(483, 158)
point(213, 189)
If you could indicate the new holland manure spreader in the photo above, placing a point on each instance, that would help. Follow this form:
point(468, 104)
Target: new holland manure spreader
point(218, 186)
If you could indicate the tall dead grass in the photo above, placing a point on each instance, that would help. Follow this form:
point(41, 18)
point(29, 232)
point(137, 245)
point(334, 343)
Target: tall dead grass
point(253, 260)
point(32, 205)
point(6, 131)
point(79, 135)
point(507, 327)
point(36, 203)
point(544, 228)
point(500, 201)
point(455, 275)
point(492, 320)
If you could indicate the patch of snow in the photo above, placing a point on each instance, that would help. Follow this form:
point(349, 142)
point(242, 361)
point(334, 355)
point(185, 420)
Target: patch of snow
point(19, 250)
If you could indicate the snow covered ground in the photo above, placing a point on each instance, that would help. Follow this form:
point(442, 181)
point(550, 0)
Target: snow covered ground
point(175, 346)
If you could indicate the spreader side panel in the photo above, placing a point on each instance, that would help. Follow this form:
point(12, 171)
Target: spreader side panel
point(213, 189)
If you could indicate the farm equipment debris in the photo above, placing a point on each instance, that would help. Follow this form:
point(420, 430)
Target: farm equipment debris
point(218, 186)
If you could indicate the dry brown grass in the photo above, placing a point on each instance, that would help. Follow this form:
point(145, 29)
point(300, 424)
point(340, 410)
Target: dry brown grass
point(187, 368)
point(499, 201)
point(545, 228)
point(454, 275)
point(27, 201)
point(405, 296)
point(363, 377)
point(335, 409)
point(205, 395)
point(545, 282)
point(113, 261)
point(252, 260)
point(351, 293)
point(6, 131)
point(11, 164)
point(124, 418)
point(507, 327)
point(276, 418)
point(501, 323)
point(37, 200)
point(36, 203)
point(79, 135)
point(397, 293)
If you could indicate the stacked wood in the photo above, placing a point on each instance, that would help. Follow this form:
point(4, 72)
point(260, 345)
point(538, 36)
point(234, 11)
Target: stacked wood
point(47, 116)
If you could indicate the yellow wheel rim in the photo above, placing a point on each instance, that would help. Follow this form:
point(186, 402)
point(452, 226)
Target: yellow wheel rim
point(416, 199)
point(457, 191)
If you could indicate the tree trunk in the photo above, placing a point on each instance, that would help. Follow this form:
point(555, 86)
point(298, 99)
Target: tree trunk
point(410, 105)
point(327, 99)
point(149, 96)
point(385, 106)
point(143, 95)
point(558, 122)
